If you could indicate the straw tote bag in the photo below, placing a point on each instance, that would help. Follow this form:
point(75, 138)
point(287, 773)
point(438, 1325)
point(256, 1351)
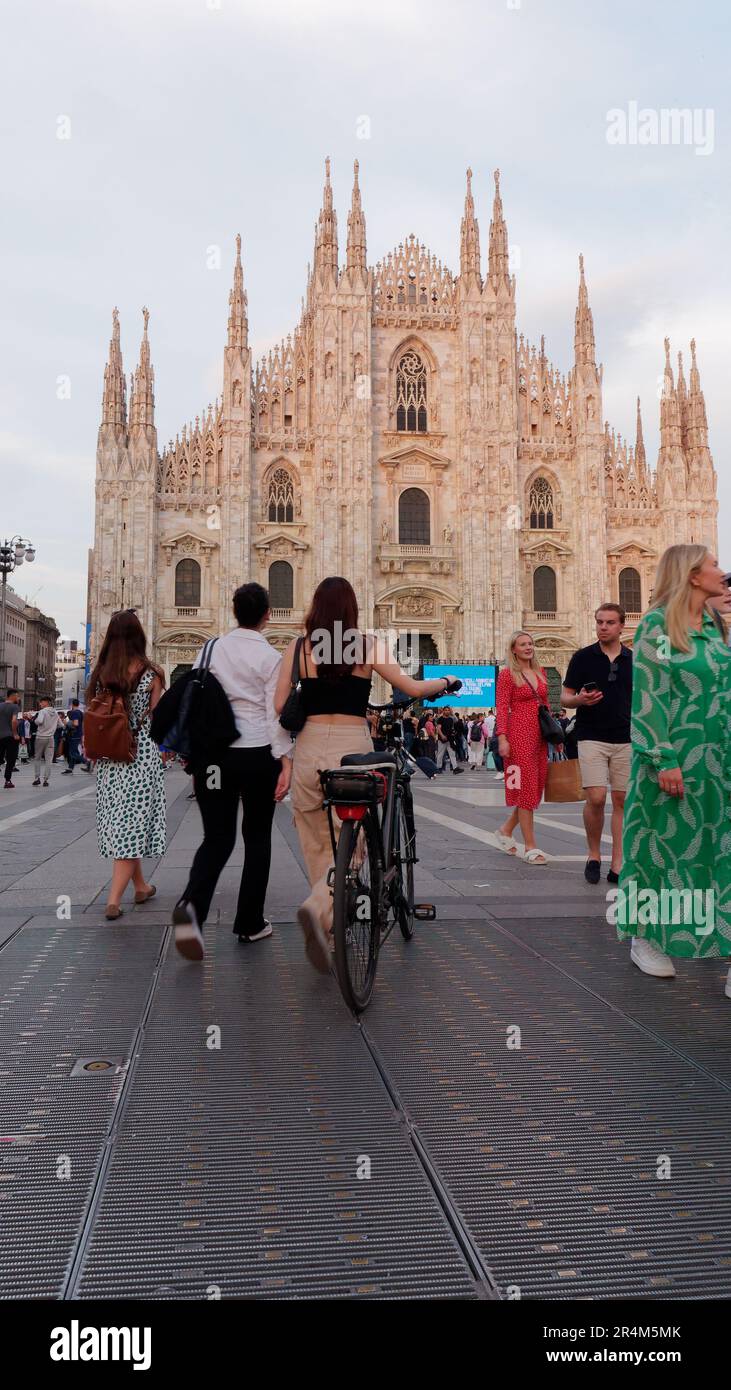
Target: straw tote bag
point(563, 780)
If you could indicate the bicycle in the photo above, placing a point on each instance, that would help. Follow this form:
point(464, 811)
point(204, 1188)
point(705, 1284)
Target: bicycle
point(373, 875)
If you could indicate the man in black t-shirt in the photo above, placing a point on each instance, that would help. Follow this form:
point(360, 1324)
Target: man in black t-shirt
point(446, 740)
point(598, 685)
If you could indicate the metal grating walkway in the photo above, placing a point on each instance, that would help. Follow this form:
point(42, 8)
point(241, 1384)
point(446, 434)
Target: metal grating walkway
point(232, 1170)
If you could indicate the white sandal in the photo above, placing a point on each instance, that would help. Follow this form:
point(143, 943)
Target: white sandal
point(535, 856)
point(506, 843)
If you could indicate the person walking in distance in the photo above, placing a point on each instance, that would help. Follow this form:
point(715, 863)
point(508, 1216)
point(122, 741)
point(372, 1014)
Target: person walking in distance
point(447, 740)
point(598, 685)
point(255, 771)
point(74, 731)
point(674, 895)
point(130, 797)
point(335, 665)
point(46, 725)
point(58, 737)
point(521, 688)
point(9, 735)
point(476, 741)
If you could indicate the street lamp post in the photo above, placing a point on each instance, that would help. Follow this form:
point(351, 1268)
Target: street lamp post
point(13, 553)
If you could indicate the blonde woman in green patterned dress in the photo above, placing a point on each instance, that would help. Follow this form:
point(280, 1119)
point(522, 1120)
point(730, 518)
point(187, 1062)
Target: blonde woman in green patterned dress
point(130, 797)
point(674, 896)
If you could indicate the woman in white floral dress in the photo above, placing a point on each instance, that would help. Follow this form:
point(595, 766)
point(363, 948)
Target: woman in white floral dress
point(130, 804)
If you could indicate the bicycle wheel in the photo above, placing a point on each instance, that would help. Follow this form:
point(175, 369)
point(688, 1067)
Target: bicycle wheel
point(404, 844)
point(357, 909)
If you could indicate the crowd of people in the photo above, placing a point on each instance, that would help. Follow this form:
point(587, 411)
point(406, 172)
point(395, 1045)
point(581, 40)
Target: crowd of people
point(440, 738)
point(650, 726)
point(41, 736)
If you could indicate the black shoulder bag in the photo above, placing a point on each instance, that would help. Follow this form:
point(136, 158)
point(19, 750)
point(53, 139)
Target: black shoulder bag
point(551, 731)
point(293, 717)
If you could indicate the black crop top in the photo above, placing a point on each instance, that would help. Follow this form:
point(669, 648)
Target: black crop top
point(347, 696)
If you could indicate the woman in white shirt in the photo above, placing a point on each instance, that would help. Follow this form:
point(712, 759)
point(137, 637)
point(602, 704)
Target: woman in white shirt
point(255, 770)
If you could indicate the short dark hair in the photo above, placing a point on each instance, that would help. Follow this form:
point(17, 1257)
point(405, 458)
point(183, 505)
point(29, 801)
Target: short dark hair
point(251, 602)
point(74, 703)
point(12, 691)
point(611, 608)
point(47, 699)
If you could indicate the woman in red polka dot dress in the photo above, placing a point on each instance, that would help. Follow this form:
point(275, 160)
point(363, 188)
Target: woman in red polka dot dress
point(520, 742)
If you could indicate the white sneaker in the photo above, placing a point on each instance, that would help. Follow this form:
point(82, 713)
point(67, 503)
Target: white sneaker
point(499, 776)
point(650, 959)
point(257, 935)
point(727, 990)
point(188, 935)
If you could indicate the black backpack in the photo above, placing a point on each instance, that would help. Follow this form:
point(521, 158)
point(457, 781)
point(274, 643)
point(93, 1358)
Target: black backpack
point(194, 717)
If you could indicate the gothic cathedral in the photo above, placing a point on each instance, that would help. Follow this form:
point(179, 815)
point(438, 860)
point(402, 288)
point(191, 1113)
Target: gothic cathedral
point(406, 437)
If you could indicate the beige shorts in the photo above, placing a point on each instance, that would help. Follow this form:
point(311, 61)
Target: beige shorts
point(604, 762)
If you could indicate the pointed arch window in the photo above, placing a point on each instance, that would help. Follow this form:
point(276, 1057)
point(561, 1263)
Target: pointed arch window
point(281, 584)
point(187, 584)
point(540, 505)
point(280, 497)
point(411, 394)
point(630, 590)
point(544, 589)
point(413, 517)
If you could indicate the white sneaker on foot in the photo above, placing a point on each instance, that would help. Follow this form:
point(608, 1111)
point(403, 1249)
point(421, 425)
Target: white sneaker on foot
point(266, 930)
point(650, 959)
point(188, 935)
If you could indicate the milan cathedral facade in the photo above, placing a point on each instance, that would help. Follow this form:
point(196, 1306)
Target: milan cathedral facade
point(406, 436)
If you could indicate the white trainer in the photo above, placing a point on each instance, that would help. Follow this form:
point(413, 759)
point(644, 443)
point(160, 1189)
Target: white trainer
point(650, 959)
point(188, 935)
point(727, 990)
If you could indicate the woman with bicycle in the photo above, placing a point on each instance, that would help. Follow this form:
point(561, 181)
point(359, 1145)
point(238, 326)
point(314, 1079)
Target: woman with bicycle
point(336, 662)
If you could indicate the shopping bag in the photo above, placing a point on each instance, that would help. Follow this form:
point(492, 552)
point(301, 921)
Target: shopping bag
point(563, 780)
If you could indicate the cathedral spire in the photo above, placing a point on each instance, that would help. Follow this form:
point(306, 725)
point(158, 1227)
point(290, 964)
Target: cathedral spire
point(697, 419)
point(682, 394)
point(114, 398)
point(326, 234)
point(142, 394)
point(469, 256)
point(640, 455)
point(669, 416)
point(498, 253)
point(584, 350)
point(238, 327)
point(356, 228)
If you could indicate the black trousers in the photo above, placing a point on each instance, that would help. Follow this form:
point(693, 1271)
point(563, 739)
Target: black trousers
point(248, 775)
point(9, 754)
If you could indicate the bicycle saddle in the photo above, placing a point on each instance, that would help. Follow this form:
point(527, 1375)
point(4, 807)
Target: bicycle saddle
point(367, 759)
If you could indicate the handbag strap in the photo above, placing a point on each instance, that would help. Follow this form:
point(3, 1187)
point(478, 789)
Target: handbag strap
point(533, 692)
point(295, 677)
point(205, 664)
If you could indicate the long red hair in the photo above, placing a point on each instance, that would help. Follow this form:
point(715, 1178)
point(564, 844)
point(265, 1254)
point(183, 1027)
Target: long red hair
point(124, 644)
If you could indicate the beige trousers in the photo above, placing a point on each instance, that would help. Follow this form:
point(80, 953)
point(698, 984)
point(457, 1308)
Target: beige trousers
point(317, 747)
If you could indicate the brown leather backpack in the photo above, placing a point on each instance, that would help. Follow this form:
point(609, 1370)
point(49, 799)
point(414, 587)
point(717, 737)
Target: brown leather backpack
point(107, 731)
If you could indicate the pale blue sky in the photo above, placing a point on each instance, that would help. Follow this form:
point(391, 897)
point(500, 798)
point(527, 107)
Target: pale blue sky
point(191, 121)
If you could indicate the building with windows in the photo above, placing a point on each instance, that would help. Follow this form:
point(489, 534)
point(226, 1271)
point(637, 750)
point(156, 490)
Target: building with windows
point(12, 670)
point(70, 668)
point(407, 436)
point(40, 656)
